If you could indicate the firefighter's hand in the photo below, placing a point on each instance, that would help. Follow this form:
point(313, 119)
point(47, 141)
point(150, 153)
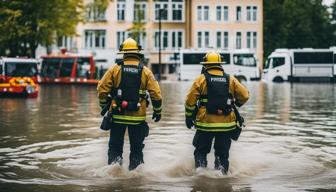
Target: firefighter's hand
point(156, 117)
point(189, 122)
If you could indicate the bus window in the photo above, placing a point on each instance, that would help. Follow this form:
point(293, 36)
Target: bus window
point(83, 67)
point(66, 67)
point(21, 69)
point(247, 60)
point(196, 58)
point(313, 57)
point(50, 67)
point(1, 69)
point(278, 61)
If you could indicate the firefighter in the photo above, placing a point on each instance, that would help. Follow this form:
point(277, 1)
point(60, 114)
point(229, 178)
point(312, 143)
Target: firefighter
point(127, 83)
point(209, 108)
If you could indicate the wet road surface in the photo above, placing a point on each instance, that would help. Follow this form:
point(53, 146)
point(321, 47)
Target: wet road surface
point(53, 143)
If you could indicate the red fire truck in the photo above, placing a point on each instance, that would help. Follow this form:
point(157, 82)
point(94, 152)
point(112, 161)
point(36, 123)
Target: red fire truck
point(18, 76)
point(68, 69)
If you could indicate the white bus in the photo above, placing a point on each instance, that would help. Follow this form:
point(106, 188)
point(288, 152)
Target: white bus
point(240, 63)
point(300, 65)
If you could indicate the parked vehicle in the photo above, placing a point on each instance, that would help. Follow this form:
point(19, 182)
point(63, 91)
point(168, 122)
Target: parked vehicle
point(18, 76)
point(68, 69)
point(300, 65)
point(240, 63)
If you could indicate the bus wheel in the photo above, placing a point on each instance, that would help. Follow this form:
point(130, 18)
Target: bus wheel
point(241, 78)
point(278, 79)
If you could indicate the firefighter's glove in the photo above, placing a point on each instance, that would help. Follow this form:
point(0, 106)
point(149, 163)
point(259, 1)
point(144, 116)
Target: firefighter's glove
point(156, 117)
point(189, 122)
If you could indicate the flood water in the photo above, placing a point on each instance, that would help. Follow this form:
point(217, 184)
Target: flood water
point(53, 143)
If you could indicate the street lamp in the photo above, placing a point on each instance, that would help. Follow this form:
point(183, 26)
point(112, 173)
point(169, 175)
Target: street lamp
point(159, 67)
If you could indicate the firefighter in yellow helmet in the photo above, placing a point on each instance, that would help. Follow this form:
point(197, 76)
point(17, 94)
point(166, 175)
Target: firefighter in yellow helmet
point(123, 89)
point(210, 107)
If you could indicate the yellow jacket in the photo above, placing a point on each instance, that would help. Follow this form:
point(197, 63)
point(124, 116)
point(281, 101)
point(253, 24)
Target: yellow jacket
point(112, 78)
point(214, 122)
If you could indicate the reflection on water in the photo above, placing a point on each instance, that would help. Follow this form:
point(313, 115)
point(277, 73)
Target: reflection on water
point(53, 143)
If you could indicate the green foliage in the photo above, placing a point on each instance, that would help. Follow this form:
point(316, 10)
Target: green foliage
point(28, 23)
point(297, 24)
point(138, 24)
point(97, 7)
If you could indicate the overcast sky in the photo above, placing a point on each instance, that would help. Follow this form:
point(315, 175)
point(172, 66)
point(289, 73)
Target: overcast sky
point(328, 2)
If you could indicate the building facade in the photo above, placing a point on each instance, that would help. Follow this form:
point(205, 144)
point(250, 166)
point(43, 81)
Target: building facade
point(185, 24)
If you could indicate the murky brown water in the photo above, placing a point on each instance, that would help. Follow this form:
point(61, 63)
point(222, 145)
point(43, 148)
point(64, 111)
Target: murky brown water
point(53, 143)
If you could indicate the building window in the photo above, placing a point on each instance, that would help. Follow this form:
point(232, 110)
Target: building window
point(199, 39)
point(251, 13)
point(94, 14)
point(219, 13)
point(222, 13)
point(164, 11)
point(251, 39)
point(164, 40)
point(177, 11)
point(206, 39)
point(65, 42)
point(171, 10)
point(95, 38)
point(206, 13)
point(248, 13)
point(203, 39)
point(254, 13)
point(238, 40)
point(172, 39)
point(176, 39)
point(121, 36)
point(199, 13)
point(222, 40)
point(140, 37)
point(121, 6)
point(225, 13)
point(255, 40)
point(203, 13)
point(140, 11)
point(238, 13)
point(219, 39)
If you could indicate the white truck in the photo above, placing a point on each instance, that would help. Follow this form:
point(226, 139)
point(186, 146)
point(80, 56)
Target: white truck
point(296, 65)
point(240, 63)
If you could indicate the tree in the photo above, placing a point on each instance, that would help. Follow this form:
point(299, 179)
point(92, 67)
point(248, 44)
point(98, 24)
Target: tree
point(298, 24)
point(30, 23)
point(138, 26)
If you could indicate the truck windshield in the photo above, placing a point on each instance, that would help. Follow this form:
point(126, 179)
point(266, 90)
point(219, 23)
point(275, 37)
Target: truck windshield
point(244, 60)
point(267, 64)
point(19, 69)
point(278, 61)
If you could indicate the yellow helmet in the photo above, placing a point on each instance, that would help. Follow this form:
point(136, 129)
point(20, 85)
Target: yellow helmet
point(129, 46)
point(212, 57)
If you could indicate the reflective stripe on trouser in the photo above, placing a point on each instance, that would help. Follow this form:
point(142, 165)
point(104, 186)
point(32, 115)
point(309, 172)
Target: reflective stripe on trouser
point(215, 126)
point(128, 120)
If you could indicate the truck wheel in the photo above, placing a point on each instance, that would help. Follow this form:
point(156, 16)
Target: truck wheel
point(278, 80)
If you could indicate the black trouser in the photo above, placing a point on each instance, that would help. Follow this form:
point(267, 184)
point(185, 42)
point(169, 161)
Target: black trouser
point(203, 141)
point(137, 134)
